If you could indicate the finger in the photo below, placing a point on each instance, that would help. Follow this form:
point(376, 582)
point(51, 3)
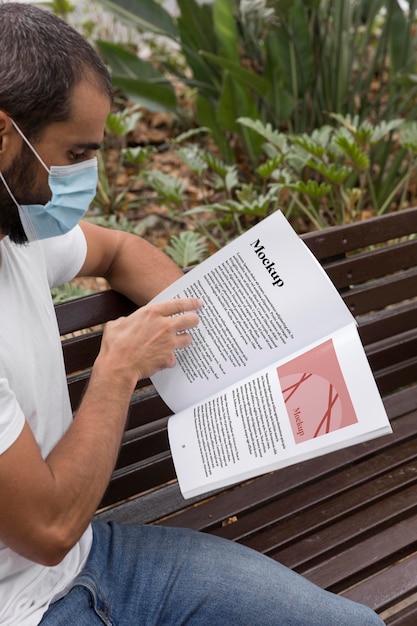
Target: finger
point(184, 322)
point(183, 340)
point(179, 305)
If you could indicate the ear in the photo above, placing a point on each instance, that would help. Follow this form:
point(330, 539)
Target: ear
point(9, 140)
point(5, 124)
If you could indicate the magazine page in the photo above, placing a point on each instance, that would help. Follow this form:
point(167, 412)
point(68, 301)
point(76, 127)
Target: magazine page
point(320, 400)
point(265, 296)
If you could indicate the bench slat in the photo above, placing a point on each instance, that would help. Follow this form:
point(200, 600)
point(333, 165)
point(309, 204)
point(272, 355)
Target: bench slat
point(382, 293)
point(395, 377)
point(143, 442)
point(387, 586)
point(387, 325)
point(336, 241)
point(144, 476)
point(387, 353)
point(96, 308)
point(372, 265)
point(80, 352)
point(365, 557)
point(407, 616)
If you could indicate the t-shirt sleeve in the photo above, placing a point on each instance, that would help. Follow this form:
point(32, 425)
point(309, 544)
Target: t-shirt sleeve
point(64, 256)
point(12, 419)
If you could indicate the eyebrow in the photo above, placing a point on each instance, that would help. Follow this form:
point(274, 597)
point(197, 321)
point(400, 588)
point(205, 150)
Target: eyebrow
point(88, 146)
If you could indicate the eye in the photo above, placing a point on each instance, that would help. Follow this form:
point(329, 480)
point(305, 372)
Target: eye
point(77, 156)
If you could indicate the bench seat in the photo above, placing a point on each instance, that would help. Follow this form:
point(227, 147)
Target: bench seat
point(347, 520)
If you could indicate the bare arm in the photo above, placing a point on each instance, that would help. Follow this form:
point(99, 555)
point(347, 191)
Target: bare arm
point(50, 502)
point(130, 264)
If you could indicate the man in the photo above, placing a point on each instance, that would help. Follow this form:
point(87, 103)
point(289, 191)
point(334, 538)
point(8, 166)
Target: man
point(55, 567)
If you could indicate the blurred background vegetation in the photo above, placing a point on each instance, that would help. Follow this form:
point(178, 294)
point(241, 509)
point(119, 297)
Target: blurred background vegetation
point(304, 105)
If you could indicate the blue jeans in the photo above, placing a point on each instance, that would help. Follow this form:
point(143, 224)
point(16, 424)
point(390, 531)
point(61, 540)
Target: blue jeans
point(142, 575)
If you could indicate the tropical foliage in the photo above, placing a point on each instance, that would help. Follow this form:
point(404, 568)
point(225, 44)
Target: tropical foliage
point(289, 63)
point(305, 105)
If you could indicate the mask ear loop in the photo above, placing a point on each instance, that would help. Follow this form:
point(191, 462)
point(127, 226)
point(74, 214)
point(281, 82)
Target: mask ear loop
point(9, 190)
point(27, 142)
point(35, 153)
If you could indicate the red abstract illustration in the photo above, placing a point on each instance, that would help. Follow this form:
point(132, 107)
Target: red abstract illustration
point(315, 393)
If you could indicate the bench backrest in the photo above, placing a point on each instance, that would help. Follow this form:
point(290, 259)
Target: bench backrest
point(373, 264)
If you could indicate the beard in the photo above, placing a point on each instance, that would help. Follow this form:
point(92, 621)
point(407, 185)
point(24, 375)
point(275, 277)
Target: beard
point(10, 223)
point(22, 178)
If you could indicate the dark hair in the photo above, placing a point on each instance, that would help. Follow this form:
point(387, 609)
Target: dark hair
point(41, 60)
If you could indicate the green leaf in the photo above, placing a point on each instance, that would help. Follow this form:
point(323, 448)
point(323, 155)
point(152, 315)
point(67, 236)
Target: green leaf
point(124, 63)
point(384, 128)
point(279, 100)
point(188, 134)
point(256, 203)
point(364, 132)
point(235, 102)
point(279, 140)
point(121, 123)
point(170, 188)
point(296, 56)
point(231, 180)
point(246, 77)
point(192, 157)
point(217, 165)
point(138, 79)
point(309, 145)
point(152, 96)
point(69, 291)
point(408, 138)
point(336, 174)
point(229, 104)
point(197, 33)
point(311, 188)
point(358, 158)
point(225, 28)
point(137, 155)
point(188, 248)
point(401, 49)
point(146, 15)
point(196, 25)
point(207, 117)
point(266, 169)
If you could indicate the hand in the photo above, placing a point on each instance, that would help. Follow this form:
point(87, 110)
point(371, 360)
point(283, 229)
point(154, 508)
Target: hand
point(144, 342)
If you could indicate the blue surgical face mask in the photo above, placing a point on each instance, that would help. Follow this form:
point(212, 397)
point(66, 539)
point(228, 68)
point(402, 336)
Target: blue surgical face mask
point(73, 188)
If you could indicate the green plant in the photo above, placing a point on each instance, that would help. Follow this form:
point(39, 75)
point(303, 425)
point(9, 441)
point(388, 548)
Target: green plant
point(113, 197)
point(333, 175)
point(205, 34)
point(170, 188)
point(336, 173)
point(188, 248)
point(62, 8)
point(117, 222)
point(68, 291)
point(287, 62)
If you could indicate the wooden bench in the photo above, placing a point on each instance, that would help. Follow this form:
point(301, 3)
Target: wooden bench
point(348, 520)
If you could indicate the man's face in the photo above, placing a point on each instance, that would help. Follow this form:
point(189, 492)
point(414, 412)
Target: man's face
point(61, 143)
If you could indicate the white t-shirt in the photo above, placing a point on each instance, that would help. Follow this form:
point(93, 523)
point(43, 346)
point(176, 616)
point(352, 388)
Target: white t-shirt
point(33, 387)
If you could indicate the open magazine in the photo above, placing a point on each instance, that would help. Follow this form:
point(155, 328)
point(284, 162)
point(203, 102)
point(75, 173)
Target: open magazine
point(276, 373)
